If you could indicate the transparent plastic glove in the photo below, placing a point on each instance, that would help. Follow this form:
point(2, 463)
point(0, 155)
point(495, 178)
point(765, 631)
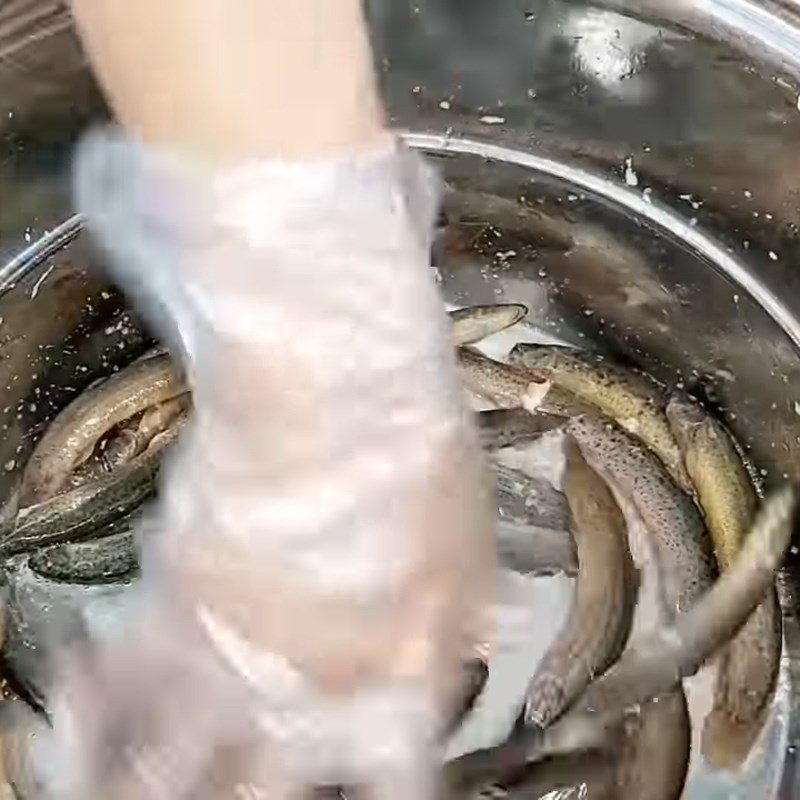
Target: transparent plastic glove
point(318, 565)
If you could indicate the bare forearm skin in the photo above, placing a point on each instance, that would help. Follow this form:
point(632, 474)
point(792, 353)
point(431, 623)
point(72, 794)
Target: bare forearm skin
point(228, 79)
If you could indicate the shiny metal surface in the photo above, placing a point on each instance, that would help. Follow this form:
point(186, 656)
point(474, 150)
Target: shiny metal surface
point(629, 167)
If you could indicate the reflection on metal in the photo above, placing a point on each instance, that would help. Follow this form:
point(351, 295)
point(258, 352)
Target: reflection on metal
point(39, 250)
point(610, 50)
point(661, 216)
point(759, 22)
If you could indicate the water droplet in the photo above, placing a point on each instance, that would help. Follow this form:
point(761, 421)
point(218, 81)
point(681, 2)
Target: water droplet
point(631, 178)
point(444, 105)
point(773, 255)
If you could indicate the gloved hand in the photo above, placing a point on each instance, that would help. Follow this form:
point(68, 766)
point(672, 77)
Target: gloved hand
point(317, 568)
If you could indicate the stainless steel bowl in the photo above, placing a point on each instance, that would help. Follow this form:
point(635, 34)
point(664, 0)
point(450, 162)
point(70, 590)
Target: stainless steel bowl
point(629, 170)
